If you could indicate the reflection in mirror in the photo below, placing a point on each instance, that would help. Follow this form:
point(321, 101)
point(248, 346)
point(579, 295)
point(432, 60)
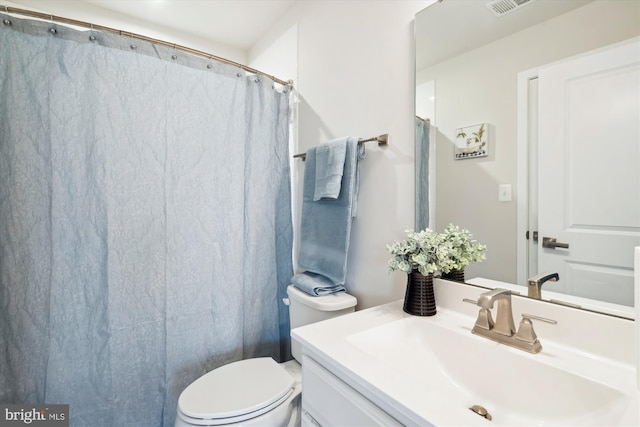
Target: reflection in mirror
point(423, 127)
point(475, 67)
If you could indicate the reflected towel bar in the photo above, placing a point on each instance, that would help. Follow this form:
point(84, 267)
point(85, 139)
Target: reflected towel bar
point(382, 140)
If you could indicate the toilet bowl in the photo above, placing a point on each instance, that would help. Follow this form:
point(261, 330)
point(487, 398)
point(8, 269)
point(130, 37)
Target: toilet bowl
point(259, 392)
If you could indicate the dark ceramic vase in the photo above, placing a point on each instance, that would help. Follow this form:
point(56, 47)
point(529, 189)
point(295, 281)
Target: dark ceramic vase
point(419, 298)
point(454, 275)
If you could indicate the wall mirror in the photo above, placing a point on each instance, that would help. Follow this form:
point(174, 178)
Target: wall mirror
point(481, 63)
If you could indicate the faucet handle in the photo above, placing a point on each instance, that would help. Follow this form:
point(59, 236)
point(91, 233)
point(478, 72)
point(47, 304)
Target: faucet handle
point(527, 334)
point(484, 320)
point(542, 319)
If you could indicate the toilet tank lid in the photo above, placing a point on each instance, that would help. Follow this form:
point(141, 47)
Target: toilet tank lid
point(330, 302)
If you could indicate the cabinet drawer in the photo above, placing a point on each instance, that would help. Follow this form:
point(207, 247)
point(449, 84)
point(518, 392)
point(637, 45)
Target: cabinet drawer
point(332, 403)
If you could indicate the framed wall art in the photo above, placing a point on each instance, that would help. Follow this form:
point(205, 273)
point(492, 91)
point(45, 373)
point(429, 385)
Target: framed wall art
point(472, 142)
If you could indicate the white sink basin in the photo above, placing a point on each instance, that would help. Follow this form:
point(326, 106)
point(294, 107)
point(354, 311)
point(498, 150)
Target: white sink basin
point(515, 387)
point(428, 371)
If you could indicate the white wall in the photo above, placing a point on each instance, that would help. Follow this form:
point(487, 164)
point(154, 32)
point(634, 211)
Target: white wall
point(356, 77)
point(480, 86)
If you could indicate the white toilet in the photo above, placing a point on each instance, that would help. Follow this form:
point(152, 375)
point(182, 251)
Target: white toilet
point(259, 391)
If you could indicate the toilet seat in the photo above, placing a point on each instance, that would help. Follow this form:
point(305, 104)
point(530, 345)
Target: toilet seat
point(235, 392)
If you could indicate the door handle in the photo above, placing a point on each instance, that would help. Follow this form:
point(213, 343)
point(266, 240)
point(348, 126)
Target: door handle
point(550, 242)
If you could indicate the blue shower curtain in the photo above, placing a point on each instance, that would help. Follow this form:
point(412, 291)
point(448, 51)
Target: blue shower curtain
point(145, 225)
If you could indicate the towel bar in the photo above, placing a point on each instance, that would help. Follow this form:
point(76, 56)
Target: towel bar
point(381, 139)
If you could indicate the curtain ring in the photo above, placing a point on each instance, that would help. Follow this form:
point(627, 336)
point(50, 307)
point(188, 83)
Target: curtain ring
point(53, 29)
point(133, 45)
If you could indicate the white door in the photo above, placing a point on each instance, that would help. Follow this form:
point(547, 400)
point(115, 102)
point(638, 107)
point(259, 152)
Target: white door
point(589, 172)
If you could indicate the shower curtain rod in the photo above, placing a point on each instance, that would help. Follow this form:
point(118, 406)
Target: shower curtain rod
point(63, 20)
point(381, 139)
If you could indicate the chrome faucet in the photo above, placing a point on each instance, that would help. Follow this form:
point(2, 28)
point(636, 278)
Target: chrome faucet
point(504, 330)
point(535, 283)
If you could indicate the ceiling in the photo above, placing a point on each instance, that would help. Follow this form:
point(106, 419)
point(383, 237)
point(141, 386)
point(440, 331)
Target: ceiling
point(235, 23)
point(450, 27)
point(240, 24)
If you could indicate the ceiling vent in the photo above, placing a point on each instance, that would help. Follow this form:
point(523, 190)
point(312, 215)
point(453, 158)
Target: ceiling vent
point(502, 7)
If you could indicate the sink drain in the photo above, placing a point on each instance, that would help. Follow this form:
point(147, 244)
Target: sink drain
point(480, 410)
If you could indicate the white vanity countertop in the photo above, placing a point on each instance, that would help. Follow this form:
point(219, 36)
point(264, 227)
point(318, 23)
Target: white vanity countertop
point(405, 390)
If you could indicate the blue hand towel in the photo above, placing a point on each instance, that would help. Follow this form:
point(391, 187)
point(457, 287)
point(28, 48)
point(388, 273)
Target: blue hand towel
point(325, 225)
point(329, 169)
point(315, 284)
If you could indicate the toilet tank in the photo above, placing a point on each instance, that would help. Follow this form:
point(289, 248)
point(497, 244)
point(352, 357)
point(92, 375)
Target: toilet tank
point(305, 309)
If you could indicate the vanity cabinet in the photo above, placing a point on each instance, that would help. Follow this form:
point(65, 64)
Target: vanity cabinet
point(329, 402)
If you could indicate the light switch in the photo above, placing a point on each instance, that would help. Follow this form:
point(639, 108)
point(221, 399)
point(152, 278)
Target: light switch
point(504, 192)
